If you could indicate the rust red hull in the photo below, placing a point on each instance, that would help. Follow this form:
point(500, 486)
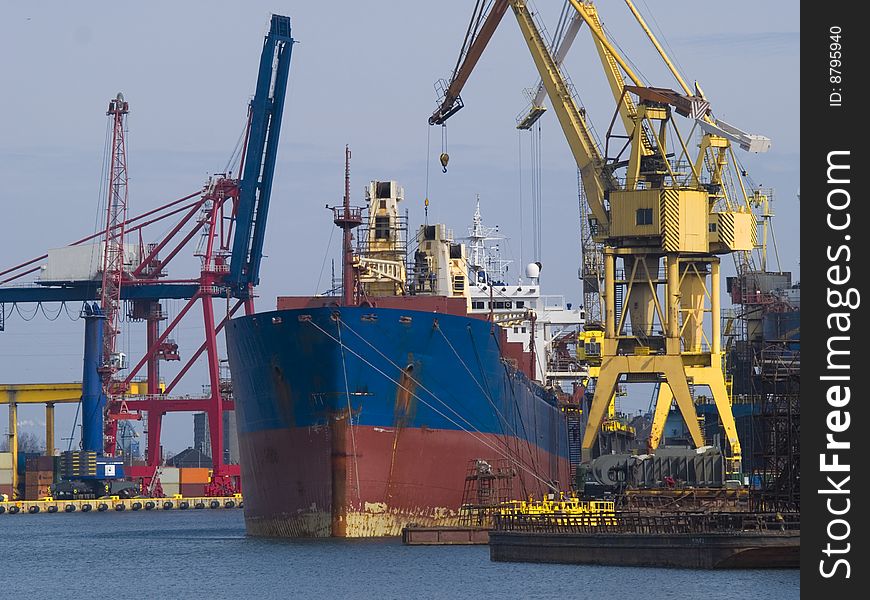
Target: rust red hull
point(368, 482)
point(355, 421)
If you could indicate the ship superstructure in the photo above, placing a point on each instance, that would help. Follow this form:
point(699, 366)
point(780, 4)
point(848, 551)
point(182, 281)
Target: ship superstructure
point(358, 418)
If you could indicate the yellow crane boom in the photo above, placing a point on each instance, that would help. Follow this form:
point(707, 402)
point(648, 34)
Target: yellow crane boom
point(661, 223)
point(577, 132)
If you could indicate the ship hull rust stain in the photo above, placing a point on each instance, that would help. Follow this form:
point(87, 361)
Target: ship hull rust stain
point(403, 413)
point(318, 495)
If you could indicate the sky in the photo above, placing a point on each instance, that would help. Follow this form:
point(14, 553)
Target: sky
point(361, 74)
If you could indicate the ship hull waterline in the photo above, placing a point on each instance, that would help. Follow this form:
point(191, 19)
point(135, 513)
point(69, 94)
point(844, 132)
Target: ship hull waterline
point(358, 421)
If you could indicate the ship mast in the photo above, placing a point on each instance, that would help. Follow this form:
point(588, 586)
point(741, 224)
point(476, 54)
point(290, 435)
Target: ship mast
point(347, 217)
point(484, 260)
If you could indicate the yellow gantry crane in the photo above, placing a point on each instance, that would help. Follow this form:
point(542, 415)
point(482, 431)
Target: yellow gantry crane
point(662, 222)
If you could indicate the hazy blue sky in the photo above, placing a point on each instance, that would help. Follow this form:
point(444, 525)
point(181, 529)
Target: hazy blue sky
point(362, 74)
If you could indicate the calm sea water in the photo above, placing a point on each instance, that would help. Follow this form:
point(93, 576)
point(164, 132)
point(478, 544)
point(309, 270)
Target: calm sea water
point(205, 554)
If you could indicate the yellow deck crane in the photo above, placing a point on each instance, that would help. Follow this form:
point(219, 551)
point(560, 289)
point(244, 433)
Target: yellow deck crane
point(667, 218)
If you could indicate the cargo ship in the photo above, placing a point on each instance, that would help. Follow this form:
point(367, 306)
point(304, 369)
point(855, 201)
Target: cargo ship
point(360, 413)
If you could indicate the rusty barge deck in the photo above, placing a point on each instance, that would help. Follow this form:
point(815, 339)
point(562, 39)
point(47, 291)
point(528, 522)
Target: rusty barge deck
point(693, 541)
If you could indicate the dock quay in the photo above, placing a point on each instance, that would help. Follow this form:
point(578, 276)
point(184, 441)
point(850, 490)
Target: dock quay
point(116, 504)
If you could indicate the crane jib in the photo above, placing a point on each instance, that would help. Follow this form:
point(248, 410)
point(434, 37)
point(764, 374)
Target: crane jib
point(256, 184)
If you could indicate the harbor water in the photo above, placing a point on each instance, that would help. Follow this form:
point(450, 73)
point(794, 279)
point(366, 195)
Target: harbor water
point(206, 554)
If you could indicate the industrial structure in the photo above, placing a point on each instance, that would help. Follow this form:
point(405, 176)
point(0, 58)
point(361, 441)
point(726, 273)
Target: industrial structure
point(665, 213)
point(116, 279)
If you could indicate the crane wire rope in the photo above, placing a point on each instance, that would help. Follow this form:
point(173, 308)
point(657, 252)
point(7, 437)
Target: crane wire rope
point(72, 433)
point(421, 386)
point(349, 411)
point(520, 183)
point(236, 154)
point(474, 434)
point(661, 35)
point(485, 392)
point(532, 457)
point(101, 198)
point(626, 57)
point(101, 194)
point(428, 158)
point(323, 264)
point(562, 24)
point(405, 373)
point(518, 456)
point(535, 151)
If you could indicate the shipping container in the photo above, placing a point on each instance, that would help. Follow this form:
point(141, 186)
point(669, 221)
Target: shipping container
point(169, 489)
point(6, 490)
point(192, 490)
point(5, 460)
point(82, 262)
point(5, 476)
point(39, 463)
point(41, 478)
point(36, 492)
point(169, 475)
point(195, 475)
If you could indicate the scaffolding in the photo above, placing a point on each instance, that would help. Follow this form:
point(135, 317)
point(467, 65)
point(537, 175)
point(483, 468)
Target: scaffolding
point(488, 484)
point(764, 362)
point(776, 430)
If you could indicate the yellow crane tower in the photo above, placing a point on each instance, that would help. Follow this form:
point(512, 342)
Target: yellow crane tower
point(663, 223)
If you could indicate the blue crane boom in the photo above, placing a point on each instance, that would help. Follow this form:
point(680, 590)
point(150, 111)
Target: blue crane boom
point(255, 188)
point(256, 185)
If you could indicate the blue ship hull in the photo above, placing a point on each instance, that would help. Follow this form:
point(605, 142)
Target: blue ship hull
point(355, 421)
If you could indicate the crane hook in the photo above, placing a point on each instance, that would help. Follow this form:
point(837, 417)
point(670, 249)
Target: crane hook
point(445, 158)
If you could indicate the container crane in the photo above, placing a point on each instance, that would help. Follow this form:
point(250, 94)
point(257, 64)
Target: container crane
point(671, 212)
point(229, 214)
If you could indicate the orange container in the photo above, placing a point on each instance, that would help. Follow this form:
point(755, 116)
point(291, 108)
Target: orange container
point(194, 475)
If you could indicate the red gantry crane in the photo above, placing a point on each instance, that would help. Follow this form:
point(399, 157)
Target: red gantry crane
point(229, 215)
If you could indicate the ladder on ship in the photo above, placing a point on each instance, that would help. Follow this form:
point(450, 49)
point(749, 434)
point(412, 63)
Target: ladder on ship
point(575, 437)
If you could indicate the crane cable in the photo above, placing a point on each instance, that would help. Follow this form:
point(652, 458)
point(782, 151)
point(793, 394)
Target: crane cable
point(535, 149)
point(428, 155)
point(661, 36)
point(323, 264)
point(349, 411)
point(520, 171)
point(475, 434)
point(445, 158)
point(473, 431)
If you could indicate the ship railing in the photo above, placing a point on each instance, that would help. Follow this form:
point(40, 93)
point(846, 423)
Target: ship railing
point(567, 366)
point(649, 523)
